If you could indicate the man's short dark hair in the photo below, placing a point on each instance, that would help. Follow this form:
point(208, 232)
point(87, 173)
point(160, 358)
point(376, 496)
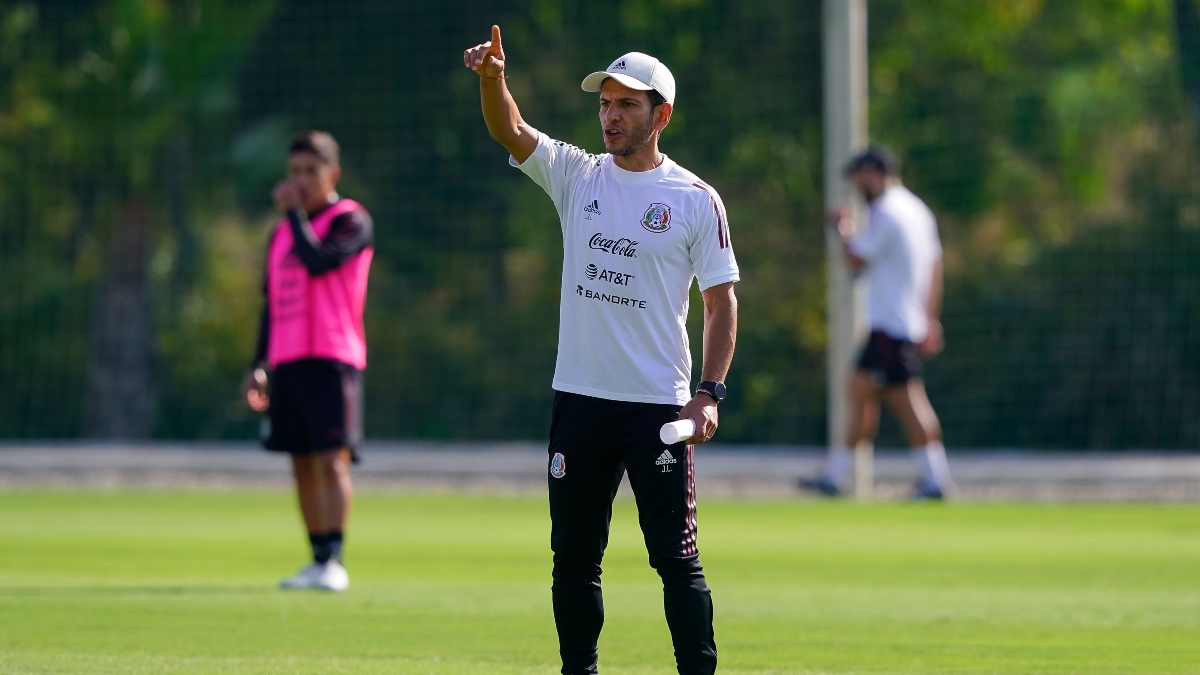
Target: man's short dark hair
point(319, 143)
point(875, 158)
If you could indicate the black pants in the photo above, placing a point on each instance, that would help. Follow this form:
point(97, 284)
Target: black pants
point(593, 442)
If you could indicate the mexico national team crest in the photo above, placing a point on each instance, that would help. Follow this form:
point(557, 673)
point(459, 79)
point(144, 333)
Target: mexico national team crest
point(558, 465)
point(657, 218)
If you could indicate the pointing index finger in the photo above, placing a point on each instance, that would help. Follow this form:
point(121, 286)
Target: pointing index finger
point(496, 39)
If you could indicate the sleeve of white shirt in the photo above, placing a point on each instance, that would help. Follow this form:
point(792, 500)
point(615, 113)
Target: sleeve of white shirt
point(873, 240)
point(554, 166)
point(711, 251)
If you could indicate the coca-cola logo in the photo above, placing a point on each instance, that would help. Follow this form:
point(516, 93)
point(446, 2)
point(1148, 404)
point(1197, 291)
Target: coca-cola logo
point(622, 247)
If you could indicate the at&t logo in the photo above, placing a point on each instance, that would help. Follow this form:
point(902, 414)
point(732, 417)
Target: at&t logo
point(611, 276)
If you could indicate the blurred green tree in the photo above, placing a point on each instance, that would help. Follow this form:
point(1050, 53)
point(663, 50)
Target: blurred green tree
point(464, 302)
point(1048, 137)
point(139, 141)
point(112, 92)
point(1187, 29)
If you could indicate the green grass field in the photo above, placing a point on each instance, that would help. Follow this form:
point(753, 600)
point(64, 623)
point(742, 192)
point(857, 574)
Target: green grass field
point(184, 583)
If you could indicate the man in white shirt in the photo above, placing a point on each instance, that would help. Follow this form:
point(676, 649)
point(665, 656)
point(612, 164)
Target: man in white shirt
point(637, 229)
point(901, 255)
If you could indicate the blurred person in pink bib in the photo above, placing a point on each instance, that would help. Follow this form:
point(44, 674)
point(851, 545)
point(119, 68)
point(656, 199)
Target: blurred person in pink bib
point(312, 347)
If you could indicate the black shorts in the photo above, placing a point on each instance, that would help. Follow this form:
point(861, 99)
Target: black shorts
point(316, 405)
point(890, 361)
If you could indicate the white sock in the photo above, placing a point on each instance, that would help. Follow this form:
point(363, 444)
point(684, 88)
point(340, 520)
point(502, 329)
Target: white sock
point(837, 463)
point(935, 470)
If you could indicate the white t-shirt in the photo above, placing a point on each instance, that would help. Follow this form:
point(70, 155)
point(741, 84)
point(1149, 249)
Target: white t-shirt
point(632, 243)
point(900, 245)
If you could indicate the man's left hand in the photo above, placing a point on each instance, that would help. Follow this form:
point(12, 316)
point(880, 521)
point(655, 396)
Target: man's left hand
point(703, 410)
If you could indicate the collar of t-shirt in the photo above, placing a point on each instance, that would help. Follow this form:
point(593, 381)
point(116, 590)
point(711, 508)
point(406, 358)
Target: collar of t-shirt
point(642, 177)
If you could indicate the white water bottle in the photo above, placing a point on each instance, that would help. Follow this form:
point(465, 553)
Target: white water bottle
point(673, 432)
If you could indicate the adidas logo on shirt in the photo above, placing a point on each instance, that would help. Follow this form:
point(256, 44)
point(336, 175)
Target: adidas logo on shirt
point(594, 207)
point(665, 460)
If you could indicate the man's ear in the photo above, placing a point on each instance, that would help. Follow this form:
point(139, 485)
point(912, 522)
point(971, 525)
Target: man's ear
point(663, 116)
point(335, 174)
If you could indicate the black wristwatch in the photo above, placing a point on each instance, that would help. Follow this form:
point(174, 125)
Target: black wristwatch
point(714, 389)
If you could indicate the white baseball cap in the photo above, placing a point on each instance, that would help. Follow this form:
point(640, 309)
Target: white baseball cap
point(636, 71)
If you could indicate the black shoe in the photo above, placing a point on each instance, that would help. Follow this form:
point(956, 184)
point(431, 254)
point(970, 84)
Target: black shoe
point(821, 485)
point(925, 492)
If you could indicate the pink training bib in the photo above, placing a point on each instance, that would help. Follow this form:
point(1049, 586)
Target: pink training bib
point(316, 317)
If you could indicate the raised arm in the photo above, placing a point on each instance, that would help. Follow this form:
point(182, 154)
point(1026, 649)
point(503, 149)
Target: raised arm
point(500, 111)
point(348, 235)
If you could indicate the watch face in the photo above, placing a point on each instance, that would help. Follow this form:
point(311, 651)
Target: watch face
point(720, 390)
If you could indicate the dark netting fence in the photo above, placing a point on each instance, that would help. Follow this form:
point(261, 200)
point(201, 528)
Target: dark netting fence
point(139, 142)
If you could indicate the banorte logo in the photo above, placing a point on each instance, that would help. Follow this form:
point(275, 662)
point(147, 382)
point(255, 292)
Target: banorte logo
point(622, 247)
point(591, 271)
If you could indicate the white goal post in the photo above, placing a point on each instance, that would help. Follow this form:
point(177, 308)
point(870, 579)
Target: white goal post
point(844, 92)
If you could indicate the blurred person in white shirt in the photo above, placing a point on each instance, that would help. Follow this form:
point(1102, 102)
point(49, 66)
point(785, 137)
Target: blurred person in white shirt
point(900, 254)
